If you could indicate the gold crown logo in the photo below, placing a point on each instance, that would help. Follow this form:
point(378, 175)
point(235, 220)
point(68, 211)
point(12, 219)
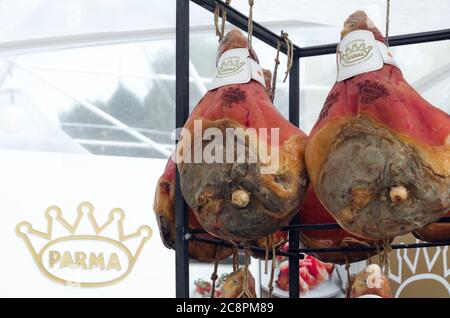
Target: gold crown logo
point(355, 51)
point(230, 65)
point(76, 258)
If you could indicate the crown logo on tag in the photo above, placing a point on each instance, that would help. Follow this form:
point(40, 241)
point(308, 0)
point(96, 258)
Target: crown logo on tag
point(355, 51)
point(84, 253)
point(229, 66)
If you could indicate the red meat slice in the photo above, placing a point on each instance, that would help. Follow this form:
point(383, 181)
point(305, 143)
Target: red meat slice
point(318, 269)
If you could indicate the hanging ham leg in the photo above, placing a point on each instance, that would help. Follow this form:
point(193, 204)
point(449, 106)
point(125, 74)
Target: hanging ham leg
point(379, 155)
point(236, 201)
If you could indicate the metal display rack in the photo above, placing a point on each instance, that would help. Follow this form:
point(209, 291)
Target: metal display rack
point(183, 233)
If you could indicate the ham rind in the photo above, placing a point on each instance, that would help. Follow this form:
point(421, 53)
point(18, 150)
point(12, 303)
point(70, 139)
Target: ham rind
point(233, 287)
point(164, 208)
point(235, 201)
point(370, 281)
point(282, 280)
point(379, 155)
point(313, 212)
point(436, 232)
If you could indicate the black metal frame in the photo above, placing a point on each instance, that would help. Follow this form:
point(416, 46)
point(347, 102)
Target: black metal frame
point(183, 233)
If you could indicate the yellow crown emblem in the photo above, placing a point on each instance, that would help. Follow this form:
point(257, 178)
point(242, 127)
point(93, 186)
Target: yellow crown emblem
point(230, 65)
point(355, 51)
point(85, 256)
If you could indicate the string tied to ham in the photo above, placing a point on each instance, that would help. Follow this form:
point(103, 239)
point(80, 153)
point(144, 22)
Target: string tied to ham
point(250, 24)
point(388, 12)
point(290, 57)
point(220, 32)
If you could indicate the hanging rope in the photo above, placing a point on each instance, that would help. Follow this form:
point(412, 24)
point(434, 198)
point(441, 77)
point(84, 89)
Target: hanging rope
point(235, 258)
point(369, 258)
point(290, 54)
point(250, 24)
point(386, 31)
point(214, 274)
point(290, 58)
point(266, 258)
point(220, 32)
point(272, 271)
point(245, 288)
point(349, 276)
point(385, 256)
point(275, 70)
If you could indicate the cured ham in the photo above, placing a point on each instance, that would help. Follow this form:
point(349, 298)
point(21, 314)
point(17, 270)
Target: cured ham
point(379, 155)
point(242, 200)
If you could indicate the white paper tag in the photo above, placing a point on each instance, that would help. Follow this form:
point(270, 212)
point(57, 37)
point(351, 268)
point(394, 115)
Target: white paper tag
point(359, 52)
point(235, 66)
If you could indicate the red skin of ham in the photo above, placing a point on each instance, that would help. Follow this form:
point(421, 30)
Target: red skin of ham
point(272, 199)
point(420, 121)
point(371, 121)
point(313, 212)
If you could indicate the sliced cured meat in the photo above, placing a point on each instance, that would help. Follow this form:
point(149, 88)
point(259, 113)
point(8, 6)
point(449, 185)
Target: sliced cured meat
point(164, 208)
point(379, 155)
point(312, 272)
point(245, 199)
point(313, 212)
point(282, 280)
point(309, 279)
point(318, 269)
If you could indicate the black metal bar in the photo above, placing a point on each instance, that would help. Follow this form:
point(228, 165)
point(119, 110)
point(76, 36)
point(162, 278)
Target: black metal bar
point(294, 118)
point(294, 252)
point(311, 227)
point(182, 113)
point(397, 40)
point(298, 252)
point(371, 248)
point(252, 248)
point(241, 21)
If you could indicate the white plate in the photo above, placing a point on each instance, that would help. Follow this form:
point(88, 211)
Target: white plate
point(330, 288)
